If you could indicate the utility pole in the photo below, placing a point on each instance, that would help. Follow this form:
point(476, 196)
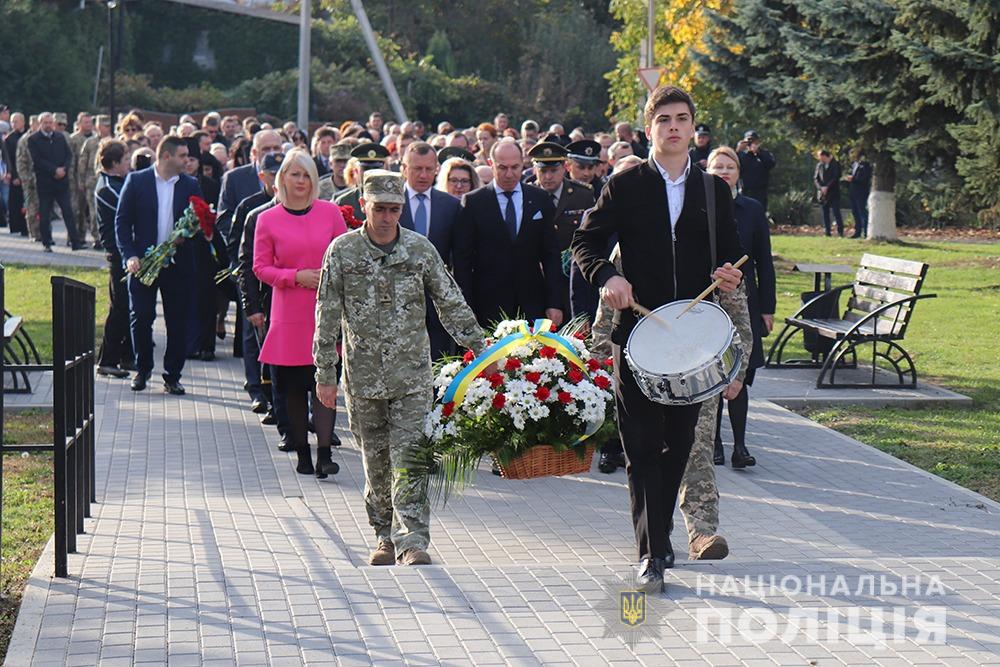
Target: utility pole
point(305, 32)
point(376, 53)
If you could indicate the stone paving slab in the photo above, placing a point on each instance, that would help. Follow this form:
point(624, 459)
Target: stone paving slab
point(17, 249)
point(796, 388)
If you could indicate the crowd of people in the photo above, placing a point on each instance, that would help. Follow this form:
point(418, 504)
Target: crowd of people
point(495, 211)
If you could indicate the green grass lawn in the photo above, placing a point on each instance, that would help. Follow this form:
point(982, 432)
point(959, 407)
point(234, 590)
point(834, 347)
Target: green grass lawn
point(953, 343)
point(28, 293)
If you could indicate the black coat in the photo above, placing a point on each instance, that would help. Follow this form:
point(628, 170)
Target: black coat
point(106, 197)
point(634, 205)
point(255, 295)
point(755, 169)
point(10, 153)
point(758, 272)
point(48, 154)
point(828, 176)
point(501, 277)
point(861, 179)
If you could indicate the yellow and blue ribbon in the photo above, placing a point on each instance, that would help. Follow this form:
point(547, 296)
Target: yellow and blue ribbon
point(502, 348)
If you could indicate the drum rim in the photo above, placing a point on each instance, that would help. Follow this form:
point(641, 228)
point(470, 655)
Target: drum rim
point(707, 364)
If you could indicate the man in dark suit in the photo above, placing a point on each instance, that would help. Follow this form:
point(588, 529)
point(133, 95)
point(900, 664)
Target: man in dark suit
point(323, 140)
point(432, 213)
point(16, 220)
point(506, 251)
point(240, 183)
point(53, 160)
point(827, 180)
point(860, 187)
point(659, 211)
point(151, 201)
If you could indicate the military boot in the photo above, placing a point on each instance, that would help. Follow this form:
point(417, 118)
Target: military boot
point(708, 547)
point(384, 554)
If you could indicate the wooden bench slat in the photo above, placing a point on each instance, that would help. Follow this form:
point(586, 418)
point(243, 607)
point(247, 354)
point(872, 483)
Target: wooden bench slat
point(904, 283)
point(878, 294)
point(885, 325)
point(10, 327)
point(893, 264)
point(871, 306)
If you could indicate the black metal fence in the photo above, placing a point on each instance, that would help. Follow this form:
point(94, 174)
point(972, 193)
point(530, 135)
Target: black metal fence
point(73, 358)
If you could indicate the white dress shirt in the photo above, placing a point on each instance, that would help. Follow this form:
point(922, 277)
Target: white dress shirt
point(164, 205)
point(675, 194)
point(411, 196)
point(518, 204)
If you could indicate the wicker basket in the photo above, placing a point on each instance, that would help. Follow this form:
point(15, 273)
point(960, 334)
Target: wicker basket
point(543, 461)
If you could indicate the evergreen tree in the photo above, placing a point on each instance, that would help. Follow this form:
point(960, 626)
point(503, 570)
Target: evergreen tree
point(439, 49)
point(831, 69)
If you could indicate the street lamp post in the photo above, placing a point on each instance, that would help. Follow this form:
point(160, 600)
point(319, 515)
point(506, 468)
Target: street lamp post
point(112, 63)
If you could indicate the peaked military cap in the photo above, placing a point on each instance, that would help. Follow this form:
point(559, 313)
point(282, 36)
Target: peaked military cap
point(547, 154)
point(454, 151)
point(585, 151)
point(370, 154)
point(383, 187)
point(61, 118)
point(702, 129)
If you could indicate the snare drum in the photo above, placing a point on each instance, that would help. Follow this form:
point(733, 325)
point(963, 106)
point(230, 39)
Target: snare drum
point(686, 360)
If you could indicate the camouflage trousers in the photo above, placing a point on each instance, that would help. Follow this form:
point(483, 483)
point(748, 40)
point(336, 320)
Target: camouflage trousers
point(389, 430)
point(31, 210)
point(84, 220)
point(699, 495)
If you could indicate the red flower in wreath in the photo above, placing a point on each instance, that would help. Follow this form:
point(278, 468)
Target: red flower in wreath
point(565, 398)
point(575, 376)
point(547, 352)
point(593, 365)
point(609, 362)
point(496, 380)
point(513, 363)
point(205, 215)
point(533, 376)
point(602, 381)
point(348, 213)
point(468, 357)
point(498, 401)
point(543, 393)
point(579, 335)
point(448, 408)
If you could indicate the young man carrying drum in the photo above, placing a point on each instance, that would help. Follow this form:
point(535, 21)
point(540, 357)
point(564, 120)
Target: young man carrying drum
point(659, 212)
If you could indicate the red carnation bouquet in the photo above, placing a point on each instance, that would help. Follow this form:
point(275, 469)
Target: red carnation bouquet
point(348, 213)
point(198, 217)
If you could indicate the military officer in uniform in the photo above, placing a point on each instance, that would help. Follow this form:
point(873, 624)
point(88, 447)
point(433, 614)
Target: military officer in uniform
point(455, 151)
point(584, 156)
point(372, 293)
point(84, 222)
point(332, 183)
point(86, 165)
point(699, 494)
point(26, 170)
point(369, 156)
point(570, 198)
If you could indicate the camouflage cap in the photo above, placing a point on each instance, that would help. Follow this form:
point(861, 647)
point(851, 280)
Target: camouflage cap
point(102, 119)
point(61, 118)
point(341, 151)
point(383, 187)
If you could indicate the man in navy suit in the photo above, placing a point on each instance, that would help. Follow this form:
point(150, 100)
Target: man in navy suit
point(433, 214)
point(506, 252)
point(151, 201)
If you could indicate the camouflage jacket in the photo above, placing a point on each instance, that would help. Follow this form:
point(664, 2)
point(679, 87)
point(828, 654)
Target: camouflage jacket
point(86, 166)
point(25, 165)
point(734, 303)
point(376, 301)
point(351, 197)
point(77, 140)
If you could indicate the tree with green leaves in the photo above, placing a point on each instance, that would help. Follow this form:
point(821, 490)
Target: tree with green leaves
point(833, 72)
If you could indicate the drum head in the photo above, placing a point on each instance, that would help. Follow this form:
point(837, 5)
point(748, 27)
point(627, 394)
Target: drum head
point(665, 345)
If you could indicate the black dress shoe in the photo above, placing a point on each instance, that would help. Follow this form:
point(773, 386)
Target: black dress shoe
point(719, 458)
point(258, 406)
point(47, 248)
point(139, 382)
point(606, 463)
point(742, 458)
point(284, 445)
point(208, 355)
point(174, 388)
point(668, 558)
point(112, 371)
point(650, 577)
point(79, 246)
point(269, 419)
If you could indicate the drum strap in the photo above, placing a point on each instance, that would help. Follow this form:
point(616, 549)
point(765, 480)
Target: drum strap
point(710, 209)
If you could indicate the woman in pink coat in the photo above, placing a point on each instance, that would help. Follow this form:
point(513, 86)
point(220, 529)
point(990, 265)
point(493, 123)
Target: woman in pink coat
point(289, 245)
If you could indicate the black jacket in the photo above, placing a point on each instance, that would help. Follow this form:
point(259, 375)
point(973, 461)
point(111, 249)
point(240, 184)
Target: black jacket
point(758, 272)
point(501, 277)
point(10, 153)
point(106, 199)
point(634, 205)
point(235, 238)
point(256, 295)
point(755, 170)
point(48, 154)
point(828, 175)
point(861, 178)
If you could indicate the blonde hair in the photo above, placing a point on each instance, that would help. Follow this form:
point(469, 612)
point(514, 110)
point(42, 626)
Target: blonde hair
point(724, 151)
point(450, 165)
point(297, 157)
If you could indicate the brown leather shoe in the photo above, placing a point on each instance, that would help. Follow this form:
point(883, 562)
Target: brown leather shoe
point(708, 547)
point(414, 557)
point(384, 554)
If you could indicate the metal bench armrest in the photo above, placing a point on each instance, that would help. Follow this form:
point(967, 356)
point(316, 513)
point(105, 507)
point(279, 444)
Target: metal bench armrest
point(824, 295)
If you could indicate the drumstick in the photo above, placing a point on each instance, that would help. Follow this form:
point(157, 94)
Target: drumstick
point(646, 312)
point(711, 288)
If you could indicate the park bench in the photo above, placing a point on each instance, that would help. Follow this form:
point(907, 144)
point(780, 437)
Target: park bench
point(19, 354)
point(882, 300)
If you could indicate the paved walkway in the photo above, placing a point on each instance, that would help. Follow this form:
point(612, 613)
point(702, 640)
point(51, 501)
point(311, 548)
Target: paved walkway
point(17, 249)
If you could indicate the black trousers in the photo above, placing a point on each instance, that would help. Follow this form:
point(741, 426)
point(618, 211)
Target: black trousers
point(116, 346)
point(174, 285)
point(15, 215)
point(657, 440)
point(46, 200)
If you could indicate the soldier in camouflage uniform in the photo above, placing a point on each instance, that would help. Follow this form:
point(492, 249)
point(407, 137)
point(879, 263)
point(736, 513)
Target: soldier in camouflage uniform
point(699, 494)
point(340, 153)
point(26, 170)
point(369, 156)
point(84, 221)
point(372, 292)
point(86, 165)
